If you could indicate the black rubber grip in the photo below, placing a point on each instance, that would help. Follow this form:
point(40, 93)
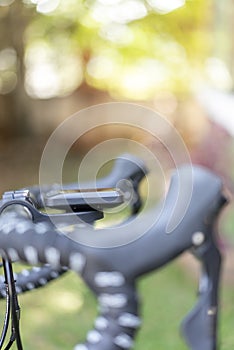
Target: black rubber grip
point(33, 278)
point(118, 321)
point(112, 272)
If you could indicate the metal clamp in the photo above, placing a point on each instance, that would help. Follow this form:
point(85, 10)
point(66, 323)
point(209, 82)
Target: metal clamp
point(24, 198)
point(22, 195)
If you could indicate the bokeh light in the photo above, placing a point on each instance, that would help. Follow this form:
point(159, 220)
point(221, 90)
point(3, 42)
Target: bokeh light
point(218, 74)
point(167, 6)
point(46, 6)
point(49, 74)
point(8, 76)
point(120, 12)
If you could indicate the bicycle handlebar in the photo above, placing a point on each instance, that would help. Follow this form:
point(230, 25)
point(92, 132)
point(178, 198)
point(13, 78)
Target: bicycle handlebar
point(112, 273)
point(126, 168)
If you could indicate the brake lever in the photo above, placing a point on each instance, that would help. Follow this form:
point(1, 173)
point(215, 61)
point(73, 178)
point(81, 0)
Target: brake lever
point(199, 327)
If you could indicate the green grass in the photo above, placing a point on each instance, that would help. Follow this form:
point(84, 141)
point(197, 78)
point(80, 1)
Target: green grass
point(226, 223)
point(227, 318)
point(59, 315)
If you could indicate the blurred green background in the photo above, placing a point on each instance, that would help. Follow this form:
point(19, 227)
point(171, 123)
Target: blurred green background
point(60, 56)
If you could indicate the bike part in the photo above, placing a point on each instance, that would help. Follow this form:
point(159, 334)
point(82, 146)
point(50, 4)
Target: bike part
point(29, 279)
point(23, 196)
point(126, 168)
point(80, 200)
point(13, 307)
point(200, 326)
point(109, 272)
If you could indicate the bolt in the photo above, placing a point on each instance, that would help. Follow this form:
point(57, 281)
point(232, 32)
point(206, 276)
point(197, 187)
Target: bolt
point(198, 238)
point(212, 311)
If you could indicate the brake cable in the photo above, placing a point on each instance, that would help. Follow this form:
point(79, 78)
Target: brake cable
point(12, 307)
point(7, 313)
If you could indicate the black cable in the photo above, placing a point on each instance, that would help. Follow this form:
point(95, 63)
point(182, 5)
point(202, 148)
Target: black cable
point(7, 313)
point(15, 309)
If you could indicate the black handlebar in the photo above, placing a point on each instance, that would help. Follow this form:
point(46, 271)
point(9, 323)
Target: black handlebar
point(127, 168)
point(112, 272)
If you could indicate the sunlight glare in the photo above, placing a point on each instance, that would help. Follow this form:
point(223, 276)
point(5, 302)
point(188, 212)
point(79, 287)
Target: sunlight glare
point(143, 79)
point(117, 33)
point(166, 6)
point(109, 2)
point(123, 12)
point(46, 6)
point(100, 67)
point(42, 82)
point(49, 74)
point(218, 74)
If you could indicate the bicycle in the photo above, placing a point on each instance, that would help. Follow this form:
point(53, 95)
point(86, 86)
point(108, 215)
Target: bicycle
point(29, 237)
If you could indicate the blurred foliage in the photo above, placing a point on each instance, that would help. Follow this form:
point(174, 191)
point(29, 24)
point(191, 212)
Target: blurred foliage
point(108, 45)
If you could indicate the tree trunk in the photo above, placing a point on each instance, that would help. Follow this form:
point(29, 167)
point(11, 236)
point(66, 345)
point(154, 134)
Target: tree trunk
point(15, 106)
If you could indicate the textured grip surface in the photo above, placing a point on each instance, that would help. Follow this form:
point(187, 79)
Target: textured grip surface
point(29, 279)
point(117, 323)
